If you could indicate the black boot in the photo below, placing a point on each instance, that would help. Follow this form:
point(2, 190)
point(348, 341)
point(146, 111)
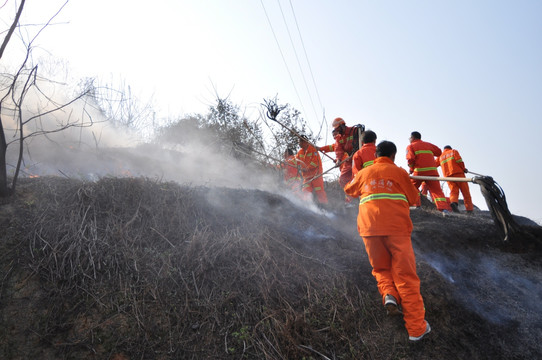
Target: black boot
point(455, 207)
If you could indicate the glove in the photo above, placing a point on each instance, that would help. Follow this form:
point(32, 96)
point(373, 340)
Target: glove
point(466, 171)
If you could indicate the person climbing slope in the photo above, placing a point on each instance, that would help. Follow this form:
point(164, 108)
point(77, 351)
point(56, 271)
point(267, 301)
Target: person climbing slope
point(385, 193)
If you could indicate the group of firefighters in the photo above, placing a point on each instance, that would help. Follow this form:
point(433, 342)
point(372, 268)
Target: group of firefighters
point(303, 171)
point(386, 192)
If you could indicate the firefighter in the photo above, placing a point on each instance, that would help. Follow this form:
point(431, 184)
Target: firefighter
point(292, 173)
point(385, 193)
point(453, 166)
point(311, 168)
point(343, 144)
point(332, 147)
point(366, 155)
point(421, 162)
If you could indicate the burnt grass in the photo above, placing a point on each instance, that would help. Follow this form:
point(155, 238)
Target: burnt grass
point(135, 268)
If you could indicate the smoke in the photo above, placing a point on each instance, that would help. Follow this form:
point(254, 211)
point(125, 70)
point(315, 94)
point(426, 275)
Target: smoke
point(500, 294)
point(94, 147)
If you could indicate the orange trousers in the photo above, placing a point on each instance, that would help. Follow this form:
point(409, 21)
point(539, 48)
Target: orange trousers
point(394, 268)
point(455, 187)
point(317, 187)
point(436, 193)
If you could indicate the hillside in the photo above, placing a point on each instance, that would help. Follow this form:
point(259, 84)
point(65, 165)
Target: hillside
point(136, 268)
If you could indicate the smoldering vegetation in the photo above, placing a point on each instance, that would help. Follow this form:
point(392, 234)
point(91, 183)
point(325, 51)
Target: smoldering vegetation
point(124, 268)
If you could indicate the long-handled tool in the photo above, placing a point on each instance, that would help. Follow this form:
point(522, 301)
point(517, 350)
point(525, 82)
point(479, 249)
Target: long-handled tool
point(273, 111)
point(441, 178)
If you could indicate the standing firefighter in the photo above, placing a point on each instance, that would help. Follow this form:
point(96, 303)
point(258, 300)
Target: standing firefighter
point(343, 144)
point(385, 193)
point(346, 143)
point(453, 166)
point(311, 170)
point(421, 162)
point(331, 148)
point(366, 155)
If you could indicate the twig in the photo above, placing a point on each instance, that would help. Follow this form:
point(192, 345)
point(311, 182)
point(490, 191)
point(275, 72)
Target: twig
point(163, 237)
point(311, 349)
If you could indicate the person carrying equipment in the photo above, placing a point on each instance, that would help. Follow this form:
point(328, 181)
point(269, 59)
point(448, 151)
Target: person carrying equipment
point(385, 193)
point(343, 144)
point(331, 148)
point(453, 166)
point(366, 155)
point(311, 167)
point(421, 162)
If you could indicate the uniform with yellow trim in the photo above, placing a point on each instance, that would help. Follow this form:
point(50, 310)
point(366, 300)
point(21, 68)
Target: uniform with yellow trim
point(385, 194)
point(421, 162)
point(311, 167)
point(453, 166)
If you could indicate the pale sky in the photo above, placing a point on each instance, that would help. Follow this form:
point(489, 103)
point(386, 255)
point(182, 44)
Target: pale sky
point(463, 73)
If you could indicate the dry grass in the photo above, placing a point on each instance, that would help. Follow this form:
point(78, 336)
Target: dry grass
point(140, 269)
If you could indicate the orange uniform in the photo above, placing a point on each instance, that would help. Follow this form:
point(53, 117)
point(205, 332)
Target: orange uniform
point(421, 162)
point(331, 148)
point(453, 166)
point(344, 145)
point(291, 173)
point(311, 166)
point(385, 193)
point(363, 157)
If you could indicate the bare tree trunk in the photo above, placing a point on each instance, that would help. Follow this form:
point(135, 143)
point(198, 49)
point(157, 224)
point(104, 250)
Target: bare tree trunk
point(12, 29)
point(4, 190)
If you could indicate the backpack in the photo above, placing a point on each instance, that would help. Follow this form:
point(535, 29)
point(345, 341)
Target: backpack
point(356, 133)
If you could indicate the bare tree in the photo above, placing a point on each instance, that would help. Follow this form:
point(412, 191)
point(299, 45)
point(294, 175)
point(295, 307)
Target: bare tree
point(13, 108)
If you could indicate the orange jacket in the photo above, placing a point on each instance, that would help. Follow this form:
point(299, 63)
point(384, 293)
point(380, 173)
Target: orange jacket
point(327, 148)
point(451, 163)
point(421, 158)
point(311, 164)
point(344, 142)
point(363, 157)
point(290, 169)
point(385, 193)
point(330, 148)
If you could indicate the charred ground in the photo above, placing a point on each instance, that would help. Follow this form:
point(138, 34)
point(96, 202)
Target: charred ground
point(137, 268)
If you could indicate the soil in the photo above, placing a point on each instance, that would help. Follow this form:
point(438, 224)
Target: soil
point(136, 268)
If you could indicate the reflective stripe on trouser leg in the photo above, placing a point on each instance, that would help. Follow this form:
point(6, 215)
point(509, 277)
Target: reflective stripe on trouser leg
point(438, 196)
point(318, 186)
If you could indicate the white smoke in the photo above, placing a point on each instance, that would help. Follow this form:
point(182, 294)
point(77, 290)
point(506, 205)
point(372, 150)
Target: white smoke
point(103, 149)
point(493, 290)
